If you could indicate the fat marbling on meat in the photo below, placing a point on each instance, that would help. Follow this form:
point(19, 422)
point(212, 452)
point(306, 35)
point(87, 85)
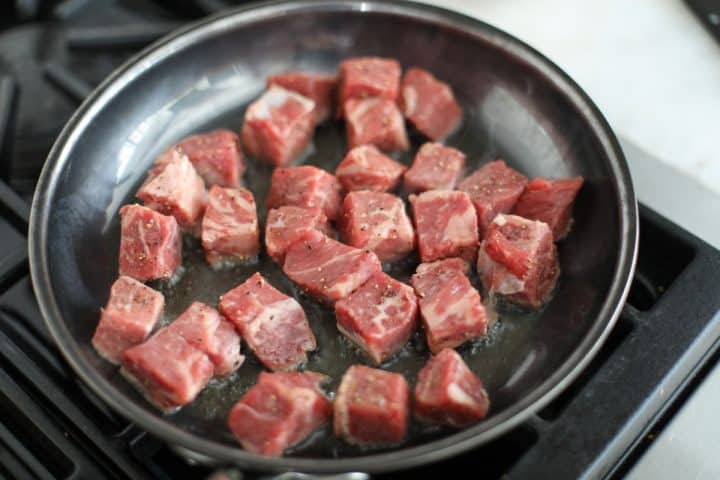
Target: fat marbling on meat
point(131, 313)
point(272, 324)
point(450, 307)
point(379, 316)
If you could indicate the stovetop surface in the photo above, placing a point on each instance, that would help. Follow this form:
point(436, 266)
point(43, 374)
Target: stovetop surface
point(52, 426)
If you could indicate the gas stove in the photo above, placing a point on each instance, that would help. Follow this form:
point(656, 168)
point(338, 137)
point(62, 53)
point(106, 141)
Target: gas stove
point(52, 426)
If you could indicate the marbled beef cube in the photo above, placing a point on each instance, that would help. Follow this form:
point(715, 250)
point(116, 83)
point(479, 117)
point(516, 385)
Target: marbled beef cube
point(379, 316)
point(285, 225)
point(518, 259)
point(305, 186)
point(450, 307)
point(371, 407)
point(550, 201)
point(176, 189)
point(377, 222)
point(278, 126)
point(429, 104)
point(168, 370)
point(327, 269)
point(273, 325)
point(375, 121)
point(493, 188)
point(131, 313)
point(445, 224)
point(367, 168)
point(279, 412)
point(436, 167)
point(447, 392)
point(150, 244)
point(317, 87)
point(203, 327)
point(230, 231)
point(216, 156)
point(365, 77)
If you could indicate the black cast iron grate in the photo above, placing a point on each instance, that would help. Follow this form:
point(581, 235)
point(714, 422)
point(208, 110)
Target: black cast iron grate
point(53, 427)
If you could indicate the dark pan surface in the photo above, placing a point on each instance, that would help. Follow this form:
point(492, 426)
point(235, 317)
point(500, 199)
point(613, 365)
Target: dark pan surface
point(517, 106)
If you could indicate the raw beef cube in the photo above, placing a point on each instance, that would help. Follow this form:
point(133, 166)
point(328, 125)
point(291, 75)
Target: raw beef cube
point(203, 328)
point(518, 259)
point(230, 231)
point(429, 104)
point(365, 77)
point(375, 121)
point(371, 407)
point(450, 307)
point(216, 156)
point(285, 225)
point(449, 393)
point(377, 222)
point(273, 325)
point(435, 167)
point(327, 269)
point(379, 316)
point(305, 186)
point(550, 201)
point(167, 369)
point(150, 244)
point(176, 189)
point(493, 188)
point(279, 412)
point(366, 168)
point(278, 126)
point(445, 224)
point(317, 87)
point(131, 313)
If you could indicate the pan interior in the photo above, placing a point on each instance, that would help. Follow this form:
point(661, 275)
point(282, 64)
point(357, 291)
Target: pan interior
point(511, 112)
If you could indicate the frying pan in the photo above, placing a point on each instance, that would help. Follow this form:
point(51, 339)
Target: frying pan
point(518, 106)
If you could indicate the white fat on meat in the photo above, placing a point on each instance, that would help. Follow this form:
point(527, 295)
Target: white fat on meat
point(273, 315)
point(274, 98)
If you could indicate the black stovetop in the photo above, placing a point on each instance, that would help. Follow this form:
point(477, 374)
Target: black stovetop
point(52, 426)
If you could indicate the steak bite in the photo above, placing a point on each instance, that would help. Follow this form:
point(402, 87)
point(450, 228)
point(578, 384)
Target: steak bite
point(150, 244)
point(493, 188)
point(378, 317)
point(367, 168)
point(131, 313)
point(365, 77)
point(375, 121)
point(287, 224)
point(377, 222)
point(317, 87)
point(175, 189)
point(445, 224)
point(429, 104)
point(550, 201)
point(203, 328)
point(326, 269)
point(518, 259)
point(449, 393)
point(230, 231)
point(305, 186)
point(371, 407)
point(450, 307)
point(273, 325)
point(279, 412)
point(278, 126)
point(436, 167)
point(216, 156)
point(168, 370)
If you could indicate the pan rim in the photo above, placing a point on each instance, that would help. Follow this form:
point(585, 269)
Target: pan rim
point(453, 444)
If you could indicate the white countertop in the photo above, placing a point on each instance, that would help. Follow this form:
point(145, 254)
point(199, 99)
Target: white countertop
point(650, 66)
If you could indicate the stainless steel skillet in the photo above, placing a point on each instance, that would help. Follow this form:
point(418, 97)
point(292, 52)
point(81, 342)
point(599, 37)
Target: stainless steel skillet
point(518, 106)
